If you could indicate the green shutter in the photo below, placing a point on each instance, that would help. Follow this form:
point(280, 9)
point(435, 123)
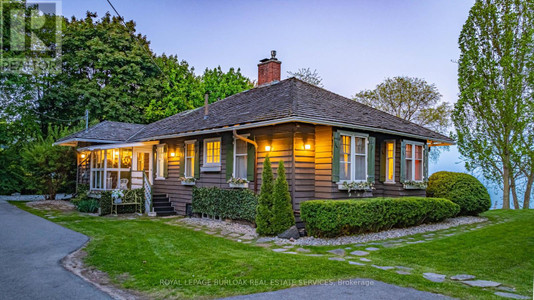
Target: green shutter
point(383, 161)
point(165, 161)
point(251, 155)
point(229, 146)
point(182, 161)
point(425, 162)
point(335, 156)
point(371, 159)
point(197, 160)
point(154, 161)
point(403, 161)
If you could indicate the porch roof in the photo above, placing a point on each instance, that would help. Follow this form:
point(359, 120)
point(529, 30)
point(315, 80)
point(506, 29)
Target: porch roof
point(116, 146)
point(103, 133)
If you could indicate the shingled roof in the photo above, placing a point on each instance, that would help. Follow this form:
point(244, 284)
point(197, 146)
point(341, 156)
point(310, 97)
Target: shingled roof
point(105, 132)
point(288, 100)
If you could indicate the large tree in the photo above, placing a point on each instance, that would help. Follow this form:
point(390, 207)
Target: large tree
point(411, 99)
point(495, 77)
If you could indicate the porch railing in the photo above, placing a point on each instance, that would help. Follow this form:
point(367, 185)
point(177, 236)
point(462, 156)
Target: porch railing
point(148, 194)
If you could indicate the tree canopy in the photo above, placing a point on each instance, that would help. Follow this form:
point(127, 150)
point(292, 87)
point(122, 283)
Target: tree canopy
point(108, 68)
point(307, 75)
point(494, 114)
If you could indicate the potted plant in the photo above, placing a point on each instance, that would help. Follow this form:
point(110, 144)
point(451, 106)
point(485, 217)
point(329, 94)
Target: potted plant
point(238, 183)
point(188, 180)
point(117, 195)
point(355, 186)
point(415, 185)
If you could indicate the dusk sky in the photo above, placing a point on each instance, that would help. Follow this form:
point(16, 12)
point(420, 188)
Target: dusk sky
point(354, 45)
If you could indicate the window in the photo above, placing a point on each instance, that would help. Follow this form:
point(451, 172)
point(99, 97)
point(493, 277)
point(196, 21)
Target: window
point(110, 169)
point(189, 155)
point(353, 158)
point(212, 152)
point(160, 161)
point(390, 161)
point(414, 162)
point(240, 159)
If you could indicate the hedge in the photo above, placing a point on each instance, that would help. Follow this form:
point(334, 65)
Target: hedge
point(235, 204)
point(330, 218)
point(462, 189)
point(105, 202)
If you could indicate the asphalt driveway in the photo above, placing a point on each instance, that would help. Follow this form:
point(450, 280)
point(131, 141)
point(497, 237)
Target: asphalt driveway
point(353, 289)
point(30, 251)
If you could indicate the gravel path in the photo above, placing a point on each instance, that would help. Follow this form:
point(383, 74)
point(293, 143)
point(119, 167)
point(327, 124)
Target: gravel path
point(382, 235)
point(344, 240)
point(221, 225)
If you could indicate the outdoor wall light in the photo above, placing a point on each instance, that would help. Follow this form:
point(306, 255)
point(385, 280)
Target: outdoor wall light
point(83, 155)
point(173, 154)
point(307, 146)
point(267, 148)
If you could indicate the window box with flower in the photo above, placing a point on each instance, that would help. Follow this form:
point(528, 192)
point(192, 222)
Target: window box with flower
point(364, 186)
point(238, 183)
point(415, 185)
point(188, 180)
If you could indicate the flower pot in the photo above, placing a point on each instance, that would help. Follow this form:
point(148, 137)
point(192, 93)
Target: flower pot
point(117, 201)
point(151, 213)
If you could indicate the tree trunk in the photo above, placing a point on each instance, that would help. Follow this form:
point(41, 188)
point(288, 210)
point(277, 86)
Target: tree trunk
point(514, 193)
point(528, 191)
point(506, 188)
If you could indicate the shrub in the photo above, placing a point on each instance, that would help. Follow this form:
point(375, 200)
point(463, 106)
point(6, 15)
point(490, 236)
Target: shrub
point(462, 189)
point(265, 200)
point(105, 202)
point(238, 204)
point(88, 205)
point(282, 211)
point(331, 218)
point(82, 194)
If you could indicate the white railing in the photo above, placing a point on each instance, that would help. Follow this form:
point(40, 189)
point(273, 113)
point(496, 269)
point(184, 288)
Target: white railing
point(148, 194)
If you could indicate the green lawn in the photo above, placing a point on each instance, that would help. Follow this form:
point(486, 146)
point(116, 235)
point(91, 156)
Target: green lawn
point(141, 253)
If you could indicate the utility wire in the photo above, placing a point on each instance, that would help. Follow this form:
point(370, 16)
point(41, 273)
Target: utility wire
point(146, 51)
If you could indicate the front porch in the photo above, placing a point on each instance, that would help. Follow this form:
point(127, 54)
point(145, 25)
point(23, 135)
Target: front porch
point(116, 166)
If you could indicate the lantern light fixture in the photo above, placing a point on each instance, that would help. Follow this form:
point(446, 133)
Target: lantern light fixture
point(267, 148)
point(307, 146)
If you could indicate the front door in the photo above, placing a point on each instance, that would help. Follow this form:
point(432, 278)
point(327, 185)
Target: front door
point(143, 161)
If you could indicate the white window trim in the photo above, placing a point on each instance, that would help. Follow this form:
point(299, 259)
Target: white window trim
point(353, 155)
point(157, 162)
point(414, 143)
point(188, 142)
point(235, 154)
point(211, 167)
point(394, 157)
point(104, 170)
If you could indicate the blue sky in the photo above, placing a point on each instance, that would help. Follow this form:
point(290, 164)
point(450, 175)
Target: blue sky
point(354, 45)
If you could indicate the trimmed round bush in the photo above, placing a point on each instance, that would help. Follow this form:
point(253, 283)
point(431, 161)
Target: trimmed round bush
point(462, 189)
point(330, 218)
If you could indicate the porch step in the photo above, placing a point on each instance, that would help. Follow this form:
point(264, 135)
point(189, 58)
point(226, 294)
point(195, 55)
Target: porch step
point(162, 206)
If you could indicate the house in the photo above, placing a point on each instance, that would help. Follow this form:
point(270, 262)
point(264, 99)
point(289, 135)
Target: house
point(329, 144)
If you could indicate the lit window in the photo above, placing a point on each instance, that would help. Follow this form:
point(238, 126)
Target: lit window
point(353, 158)
point(160, 161)
point(414, 162)
point(390, 161)
point(240, 159)
point(189, 159)
point(212, 152)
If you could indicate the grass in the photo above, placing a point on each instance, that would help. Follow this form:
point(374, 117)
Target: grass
point(163, 261)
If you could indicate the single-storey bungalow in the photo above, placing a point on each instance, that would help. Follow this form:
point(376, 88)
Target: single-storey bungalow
point(329, 144)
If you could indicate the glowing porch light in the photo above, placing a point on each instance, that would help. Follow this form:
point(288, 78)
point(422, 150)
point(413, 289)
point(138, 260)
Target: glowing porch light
point(267, 148)
point(307, 146)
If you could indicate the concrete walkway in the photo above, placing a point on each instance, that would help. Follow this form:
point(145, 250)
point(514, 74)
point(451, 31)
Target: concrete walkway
point(30, 251)
point(353, 289)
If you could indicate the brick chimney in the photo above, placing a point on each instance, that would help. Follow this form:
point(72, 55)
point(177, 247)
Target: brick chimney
point(269, 69)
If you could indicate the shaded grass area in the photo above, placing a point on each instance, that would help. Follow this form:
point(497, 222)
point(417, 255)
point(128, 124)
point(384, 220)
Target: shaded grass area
point(161, 260)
